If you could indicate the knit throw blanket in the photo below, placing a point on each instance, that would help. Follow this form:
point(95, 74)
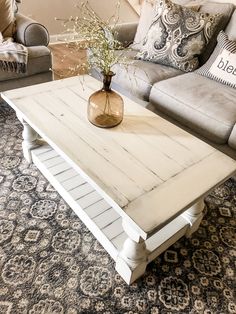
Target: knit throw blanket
point(13, 56)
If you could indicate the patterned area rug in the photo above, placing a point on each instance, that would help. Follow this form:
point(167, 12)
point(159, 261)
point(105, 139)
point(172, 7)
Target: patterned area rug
point(51, 264)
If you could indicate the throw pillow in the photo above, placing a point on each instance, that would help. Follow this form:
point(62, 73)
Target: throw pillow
point(221, 66)
point(7, 19)
point(226, 10)
point(177, 36)
point(146, 16)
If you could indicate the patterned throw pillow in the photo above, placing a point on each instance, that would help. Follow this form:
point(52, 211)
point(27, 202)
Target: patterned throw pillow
point(177, 36)
point(221, 66)
point(146, 17)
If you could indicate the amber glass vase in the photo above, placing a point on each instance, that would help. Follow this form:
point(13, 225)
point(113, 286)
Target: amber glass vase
point(105, 107)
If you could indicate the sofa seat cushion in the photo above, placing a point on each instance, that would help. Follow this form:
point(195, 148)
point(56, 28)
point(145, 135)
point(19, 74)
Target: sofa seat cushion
point(139, 76)
point(203, 105)
point(39, 60)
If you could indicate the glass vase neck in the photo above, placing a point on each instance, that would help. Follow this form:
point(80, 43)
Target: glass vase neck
point(107, 77)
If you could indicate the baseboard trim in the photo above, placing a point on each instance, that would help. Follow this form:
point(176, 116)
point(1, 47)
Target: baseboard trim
point(63, 38)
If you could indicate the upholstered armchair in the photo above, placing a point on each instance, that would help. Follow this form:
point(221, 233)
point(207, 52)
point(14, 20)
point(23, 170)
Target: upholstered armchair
point(35, 37)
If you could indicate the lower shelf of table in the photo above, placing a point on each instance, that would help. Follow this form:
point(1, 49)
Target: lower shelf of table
point(96, 213)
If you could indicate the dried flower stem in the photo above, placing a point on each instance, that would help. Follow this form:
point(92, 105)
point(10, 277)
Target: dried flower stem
point(98, 37)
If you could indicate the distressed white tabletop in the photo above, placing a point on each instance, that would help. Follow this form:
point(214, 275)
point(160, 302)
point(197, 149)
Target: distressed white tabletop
point(148, 168)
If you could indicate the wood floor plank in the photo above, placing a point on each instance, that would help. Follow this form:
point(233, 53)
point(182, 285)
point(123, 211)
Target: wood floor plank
point(67, 60)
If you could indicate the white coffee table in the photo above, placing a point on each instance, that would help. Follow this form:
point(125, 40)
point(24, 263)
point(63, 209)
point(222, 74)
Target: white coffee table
point(138, 187)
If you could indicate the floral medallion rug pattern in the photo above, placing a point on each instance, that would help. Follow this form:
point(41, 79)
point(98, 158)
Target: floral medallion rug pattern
point(50, 263)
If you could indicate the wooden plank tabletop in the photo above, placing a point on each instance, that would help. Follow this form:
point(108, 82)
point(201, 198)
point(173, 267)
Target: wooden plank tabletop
point(150, 168)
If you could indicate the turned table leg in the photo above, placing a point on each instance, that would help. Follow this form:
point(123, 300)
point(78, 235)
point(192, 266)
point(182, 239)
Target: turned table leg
point(29, 139)
point(132, 260)
point(194, 216)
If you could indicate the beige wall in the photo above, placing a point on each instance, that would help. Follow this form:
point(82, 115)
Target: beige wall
point(45, 11)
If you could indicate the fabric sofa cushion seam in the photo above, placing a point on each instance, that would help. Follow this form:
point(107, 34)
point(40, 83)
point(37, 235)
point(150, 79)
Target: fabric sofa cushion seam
point(26, 76)
point(48, 55)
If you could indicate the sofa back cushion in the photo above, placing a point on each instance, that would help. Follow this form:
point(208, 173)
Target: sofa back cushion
point(226, 9)
point(231, 27)
point(224, 1)
point(7, 19)
point(146, 17)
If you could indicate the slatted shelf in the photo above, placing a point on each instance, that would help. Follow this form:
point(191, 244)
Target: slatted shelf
point(72, 182)
point(59, 168)
point(106, 218)
point(66, 175)
point(89, 199)
point(113, 229)
point(99, 216)
point(97, 208)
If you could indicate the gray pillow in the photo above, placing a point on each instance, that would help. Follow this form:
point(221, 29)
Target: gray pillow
point(221, 66)
point(177, 36)
point(226, 10)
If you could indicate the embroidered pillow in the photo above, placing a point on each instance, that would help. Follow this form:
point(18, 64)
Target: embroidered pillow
point(146, 17)
point(177, 36)
point(221, 66)
point(7, 19)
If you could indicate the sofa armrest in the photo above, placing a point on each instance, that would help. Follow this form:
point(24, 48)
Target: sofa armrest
point(125, 32)
point(232, 138)
point(30, 32)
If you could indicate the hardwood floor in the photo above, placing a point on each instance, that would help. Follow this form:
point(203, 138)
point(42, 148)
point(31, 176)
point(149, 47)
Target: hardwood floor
point(67, 60)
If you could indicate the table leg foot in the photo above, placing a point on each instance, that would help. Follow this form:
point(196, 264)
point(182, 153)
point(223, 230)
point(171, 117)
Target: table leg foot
point(132, 260)
point(194, 216)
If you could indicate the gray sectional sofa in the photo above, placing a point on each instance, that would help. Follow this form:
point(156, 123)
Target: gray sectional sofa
point(35, 36)
point(203, 106)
